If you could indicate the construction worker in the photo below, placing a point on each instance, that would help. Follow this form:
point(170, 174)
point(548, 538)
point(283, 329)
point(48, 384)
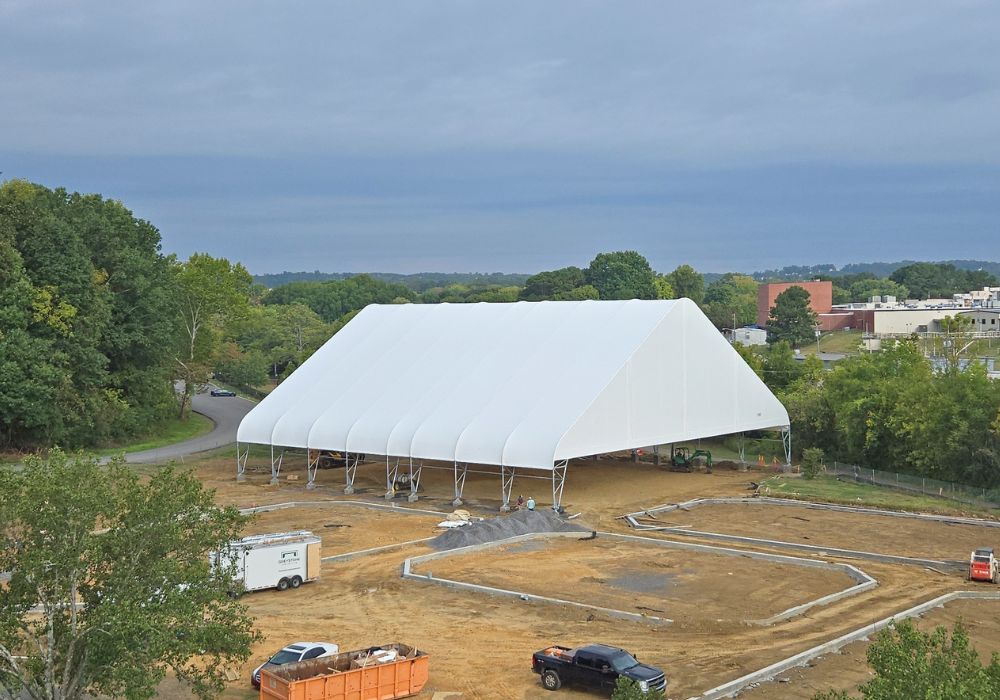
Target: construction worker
point(531, 503)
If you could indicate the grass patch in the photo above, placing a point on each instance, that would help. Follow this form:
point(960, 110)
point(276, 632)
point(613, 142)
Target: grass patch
point(829, 489)
point(847, 342)
point(169, 432)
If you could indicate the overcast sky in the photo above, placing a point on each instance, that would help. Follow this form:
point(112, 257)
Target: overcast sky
point(517, 136)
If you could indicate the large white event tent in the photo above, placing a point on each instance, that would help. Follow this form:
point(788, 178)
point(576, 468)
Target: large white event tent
point(527, 385)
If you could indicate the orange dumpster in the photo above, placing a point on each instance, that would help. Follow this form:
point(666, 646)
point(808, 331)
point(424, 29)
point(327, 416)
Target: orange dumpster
point(375, 673)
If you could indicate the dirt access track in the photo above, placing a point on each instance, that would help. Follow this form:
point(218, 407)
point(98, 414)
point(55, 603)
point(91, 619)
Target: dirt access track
point(480, 645)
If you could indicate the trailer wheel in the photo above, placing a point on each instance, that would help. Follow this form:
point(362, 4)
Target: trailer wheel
point(551, 680)
point(296, 581)
point(283, 584)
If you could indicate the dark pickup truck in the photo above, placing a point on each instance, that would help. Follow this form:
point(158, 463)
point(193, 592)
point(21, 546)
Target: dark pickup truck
point(595, 666)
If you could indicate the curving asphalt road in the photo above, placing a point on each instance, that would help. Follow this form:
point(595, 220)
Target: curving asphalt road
point(225, 411)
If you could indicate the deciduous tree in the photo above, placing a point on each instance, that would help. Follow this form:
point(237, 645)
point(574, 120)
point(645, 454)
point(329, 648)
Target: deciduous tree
point(687, 283)
point(791, 320)
point(211, 293)
point(110, 584)
point(908, 663)
point(623, 274)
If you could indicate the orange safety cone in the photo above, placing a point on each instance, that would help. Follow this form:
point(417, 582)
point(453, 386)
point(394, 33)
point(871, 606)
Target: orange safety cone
point(760, 461)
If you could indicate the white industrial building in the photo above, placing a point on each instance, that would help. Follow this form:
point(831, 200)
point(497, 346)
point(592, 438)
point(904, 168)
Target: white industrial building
point(517, 386)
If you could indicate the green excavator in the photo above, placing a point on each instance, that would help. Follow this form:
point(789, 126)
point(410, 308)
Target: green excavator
point(682, 459)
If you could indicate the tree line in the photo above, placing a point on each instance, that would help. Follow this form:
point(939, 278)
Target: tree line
point(890, 410)
point(96, 323)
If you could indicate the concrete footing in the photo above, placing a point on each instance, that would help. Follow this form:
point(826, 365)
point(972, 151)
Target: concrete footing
point(768, 673)
point(863, 582)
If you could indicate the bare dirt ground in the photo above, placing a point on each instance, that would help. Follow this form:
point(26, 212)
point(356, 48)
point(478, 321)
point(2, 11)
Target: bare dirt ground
point(688, 587)
point(848, 668)
point(348, 527)
point(481, 645)
point(870, 533)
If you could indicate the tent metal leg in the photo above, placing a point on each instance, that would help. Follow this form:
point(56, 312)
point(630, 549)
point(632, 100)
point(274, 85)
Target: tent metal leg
point(743, 450)
point(276, 465)
point(506, 486)
point(350, 471)
point(312, 466)
point(559, 470)
point(241, 462)
point(786, 440)
point(460, 482)
point(415, 480)
point(391, 475)
point(656, 455)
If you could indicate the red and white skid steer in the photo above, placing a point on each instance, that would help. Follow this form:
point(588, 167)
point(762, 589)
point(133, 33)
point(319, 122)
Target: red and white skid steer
point(983, 566)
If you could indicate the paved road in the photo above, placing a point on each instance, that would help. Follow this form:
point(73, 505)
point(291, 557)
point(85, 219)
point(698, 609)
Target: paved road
point(225, 411)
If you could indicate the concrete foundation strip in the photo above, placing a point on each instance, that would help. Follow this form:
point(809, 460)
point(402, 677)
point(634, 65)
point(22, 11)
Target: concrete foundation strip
point(409, 573)
point(864, 582)
point(730, 689)
point(632, 519)
point(764, 500)
point(393, 508)
point(372, 550)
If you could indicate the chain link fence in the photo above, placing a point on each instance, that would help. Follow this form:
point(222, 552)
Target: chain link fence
point(973, 495)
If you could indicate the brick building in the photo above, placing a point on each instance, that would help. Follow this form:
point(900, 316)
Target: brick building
point(820, 297)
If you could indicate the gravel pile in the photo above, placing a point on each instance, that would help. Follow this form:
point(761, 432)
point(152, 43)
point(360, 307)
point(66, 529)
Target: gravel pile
point(520, 522)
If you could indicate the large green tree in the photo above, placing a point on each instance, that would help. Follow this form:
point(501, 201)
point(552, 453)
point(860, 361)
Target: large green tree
point(552, 284)
point(110, 585)
point(622, 275)
point(87, 323)
point(687, 283)
point(211, 293)
point(791, 320)
point(732, 297)
point(908, 663)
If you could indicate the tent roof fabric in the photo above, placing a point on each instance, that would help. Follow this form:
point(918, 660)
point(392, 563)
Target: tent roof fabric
point(526, 384)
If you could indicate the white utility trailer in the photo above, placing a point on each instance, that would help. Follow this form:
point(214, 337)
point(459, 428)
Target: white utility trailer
point(279, 560)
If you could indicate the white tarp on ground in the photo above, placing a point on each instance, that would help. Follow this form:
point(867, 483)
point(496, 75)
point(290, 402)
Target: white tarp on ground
point(523, 385)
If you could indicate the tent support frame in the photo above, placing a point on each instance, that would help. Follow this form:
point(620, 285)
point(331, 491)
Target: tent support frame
point(460, 482)
point(276, 465)
point(506, 486)
point(786, 441)
point(559, 470)
point(391, 475)
point(415, 480)
point(350, 471)
point(312, 467)
point(241, 462)
point(743, 450)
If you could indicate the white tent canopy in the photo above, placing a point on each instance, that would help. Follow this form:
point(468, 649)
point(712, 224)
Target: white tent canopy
point(525, 385)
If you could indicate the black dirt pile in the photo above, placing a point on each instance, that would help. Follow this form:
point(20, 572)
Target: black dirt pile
point(520, 522)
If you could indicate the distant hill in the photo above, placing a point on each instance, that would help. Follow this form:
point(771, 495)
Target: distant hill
point(879, 269)
point(418, 282)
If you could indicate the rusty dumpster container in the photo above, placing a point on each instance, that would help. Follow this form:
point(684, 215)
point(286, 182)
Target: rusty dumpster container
point(374, 673)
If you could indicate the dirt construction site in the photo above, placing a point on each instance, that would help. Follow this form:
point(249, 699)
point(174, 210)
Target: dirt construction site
point(714, 590)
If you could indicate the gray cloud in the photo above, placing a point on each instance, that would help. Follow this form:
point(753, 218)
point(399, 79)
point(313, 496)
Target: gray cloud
point(518, 135)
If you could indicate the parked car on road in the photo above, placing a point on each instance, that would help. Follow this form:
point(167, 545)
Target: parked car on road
point(222, 392)
point(298, 651)
point(595, 666)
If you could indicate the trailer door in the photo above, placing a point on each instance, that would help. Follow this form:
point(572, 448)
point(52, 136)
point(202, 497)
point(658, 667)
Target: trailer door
point(312, 562)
